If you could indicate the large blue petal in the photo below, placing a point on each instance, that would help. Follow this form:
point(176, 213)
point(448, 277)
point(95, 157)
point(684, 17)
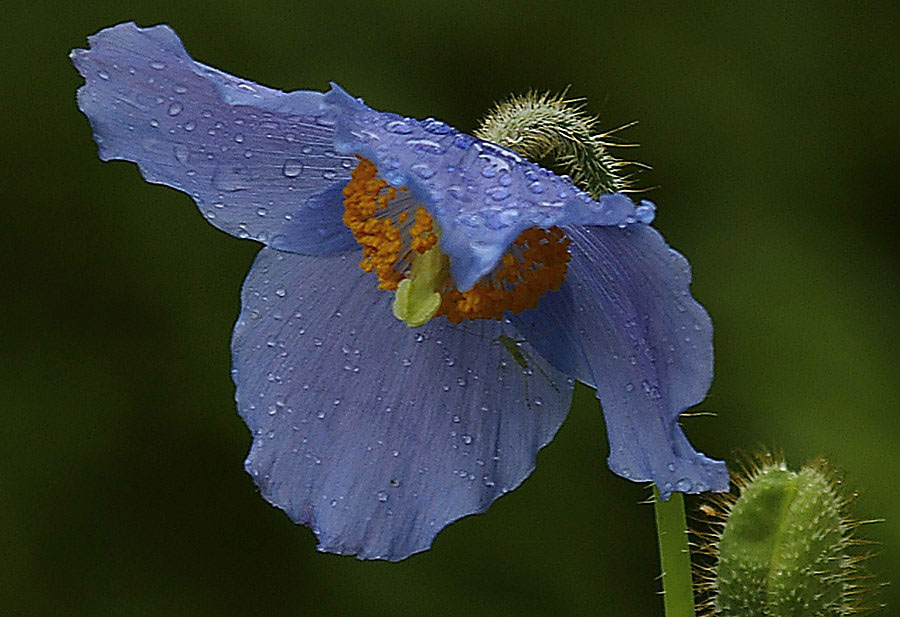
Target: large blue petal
point(259, 162)
point(481, 194)
point(374, 434)
point(626, 323)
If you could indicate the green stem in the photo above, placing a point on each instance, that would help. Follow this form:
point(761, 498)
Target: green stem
point(674, 557)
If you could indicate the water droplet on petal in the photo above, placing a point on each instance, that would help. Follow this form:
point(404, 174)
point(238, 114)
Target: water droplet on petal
point(156, 64)
point(536, 187)
point(684, 485)
point(423, 171)
point(498, 194)
point(425, 146)
point(292, 168)
point(175, 108)
point(398, 127)
point(382, 496)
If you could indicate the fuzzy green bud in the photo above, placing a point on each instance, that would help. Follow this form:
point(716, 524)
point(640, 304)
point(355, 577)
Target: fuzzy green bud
point(541, 126)
point(784, 547)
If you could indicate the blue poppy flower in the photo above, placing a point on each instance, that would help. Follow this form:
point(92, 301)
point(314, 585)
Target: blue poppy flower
point(375, 433)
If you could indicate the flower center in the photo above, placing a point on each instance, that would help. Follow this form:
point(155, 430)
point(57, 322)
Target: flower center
point(403, 252)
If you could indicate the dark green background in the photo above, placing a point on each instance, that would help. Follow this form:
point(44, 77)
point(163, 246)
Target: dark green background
point(773, 133)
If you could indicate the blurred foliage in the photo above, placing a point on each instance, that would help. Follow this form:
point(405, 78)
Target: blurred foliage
point(773, 131)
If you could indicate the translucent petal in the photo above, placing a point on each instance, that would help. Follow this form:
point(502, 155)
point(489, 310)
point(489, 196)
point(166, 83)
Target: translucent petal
point(625, 322)
point(374, 434)
point(259, 162)
point(481, 194)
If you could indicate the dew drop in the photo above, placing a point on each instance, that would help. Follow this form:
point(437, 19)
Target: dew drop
point(684, 484)
point(382, 496)
point(280, 292)
point(423, 170)
point(175, 108)
point(398, 127)
point(536, 187)
point(103, 75)
point(157, 65)
point(292, 168)
point(239, 138)
point(498, 194)
point(425, 146)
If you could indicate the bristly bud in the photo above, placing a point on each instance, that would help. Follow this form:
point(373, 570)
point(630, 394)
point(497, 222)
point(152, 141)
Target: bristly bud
point(783, 546)
point(547, 126)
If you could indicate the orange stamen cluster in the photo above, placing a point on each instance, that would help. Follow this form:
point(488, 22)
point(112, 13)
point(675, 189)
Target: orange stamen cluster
point(536, 264)
point(422, 231)
point(364, 196)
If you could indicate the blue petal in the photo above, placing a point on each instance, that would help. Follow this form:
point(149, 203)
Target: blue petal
point(625, 322)
point(259, 162)
point(481, 194)
point(373, 434)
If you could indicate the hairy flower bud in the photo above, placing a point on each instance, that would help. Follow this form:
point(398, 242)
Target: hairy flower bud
point(540, 126)
point(784, 546)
